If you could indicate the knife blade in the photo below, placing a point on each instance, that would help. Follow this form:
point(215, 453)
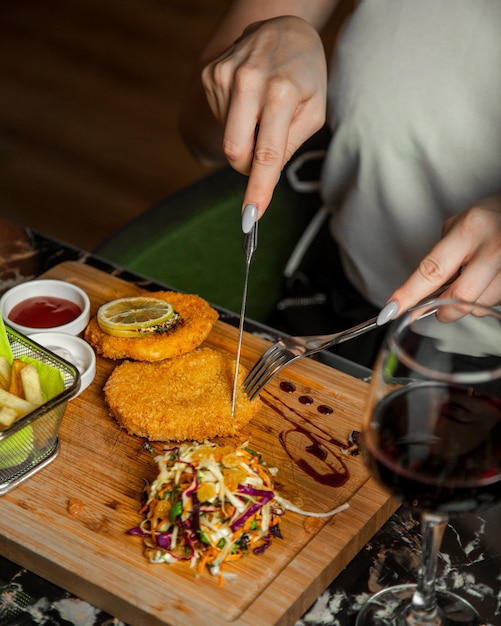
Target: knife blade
point(249, 247)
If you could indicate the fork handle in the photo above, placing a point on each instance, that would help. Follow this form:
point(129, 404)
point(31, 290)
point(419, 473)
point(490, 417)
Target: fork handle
point(316, 343)
point(320, 342)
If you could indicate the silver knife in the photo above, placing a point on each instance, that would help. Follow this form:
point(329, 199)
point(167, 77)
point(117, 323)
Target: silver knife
point(249, 246)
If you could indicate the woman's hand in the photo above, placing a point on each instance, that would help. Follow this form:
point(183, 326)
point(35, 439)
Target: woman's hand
point(471, 247)
point(268, 91)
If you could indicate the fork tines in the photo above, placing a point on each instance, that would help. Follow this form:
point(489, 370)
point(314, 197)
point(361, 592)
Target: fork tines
point(268, 365)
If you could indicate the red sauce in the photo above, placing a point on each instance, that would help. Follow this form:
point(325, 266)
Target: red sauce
point(289, 387)
point(312, 448)
point(306, 400)
point(44, 312)
point(324, 409)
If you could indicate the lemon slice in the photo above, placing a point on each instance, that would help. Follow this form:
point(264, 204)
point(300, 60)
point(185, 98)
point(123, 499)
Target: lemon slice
point(133, 317)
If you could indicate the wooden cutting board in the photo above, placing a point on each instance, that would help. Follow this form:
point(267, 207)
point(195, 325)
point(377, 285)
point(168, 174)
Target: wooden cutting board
point(100, 471)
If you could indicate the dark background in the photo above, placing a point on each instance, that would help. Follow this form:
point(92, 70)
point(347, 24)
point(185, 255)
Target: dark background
point(89, 98)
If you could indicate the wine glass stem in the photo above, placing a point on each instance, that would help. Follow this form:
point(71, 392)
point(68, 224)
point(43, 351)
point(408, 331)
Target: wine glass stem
point(423, 609)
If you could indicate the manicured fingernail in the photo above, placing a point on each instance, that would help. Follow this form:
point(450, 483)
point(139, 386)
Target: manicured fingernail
point(249, 217)
point(387, 313)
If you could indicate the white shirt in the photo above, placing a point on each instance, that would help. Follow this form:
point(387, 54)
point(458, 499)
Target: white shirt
point(415, 105)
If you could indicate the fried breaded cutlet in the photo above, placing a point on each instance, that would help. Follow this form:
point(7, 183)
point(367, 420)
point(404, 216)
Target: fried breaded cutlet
point(186, 398)
point(198, 318)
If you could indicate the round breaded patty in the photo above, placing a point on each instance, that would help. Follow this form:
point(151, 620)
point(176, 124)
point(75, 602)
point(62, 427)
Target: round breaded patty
point(186, 398)
point(198, 319)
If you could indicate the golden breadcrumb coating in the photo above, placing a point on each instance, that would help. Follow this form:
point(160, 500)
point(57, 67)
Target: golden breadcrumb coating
point(198, 317)
point(186, 398)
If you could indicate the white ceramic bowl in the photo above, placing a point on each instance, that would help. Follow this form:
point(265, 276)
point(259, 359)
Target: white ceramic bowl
point(41, 288)
point(74, 350)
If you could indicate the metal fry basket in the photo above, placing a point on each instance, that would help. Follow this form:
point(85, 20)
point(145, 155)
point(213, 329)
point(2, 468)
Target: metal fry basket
point(31, 442)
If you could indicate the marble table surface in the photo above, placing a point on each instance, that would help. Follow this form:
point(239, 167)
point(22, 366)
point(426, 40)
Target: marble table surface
point(469, 560)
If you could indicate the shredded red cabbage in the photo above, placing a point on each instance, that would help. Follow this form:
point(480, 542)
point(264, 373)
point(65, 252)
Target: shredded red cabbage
point(264, 495)
point(240, 521)
point(164, 540)
point(264, 546)
point(259, 493)
point(137, 532)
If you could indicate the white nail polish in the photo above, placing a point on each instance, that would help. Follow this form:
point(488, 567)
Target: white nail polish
point(249, 217)
point(387, 313)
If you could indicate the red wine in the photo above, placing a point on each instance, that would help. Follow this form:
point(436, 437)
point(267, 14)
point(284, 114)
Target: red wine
point(437, 448)
point(44, 312)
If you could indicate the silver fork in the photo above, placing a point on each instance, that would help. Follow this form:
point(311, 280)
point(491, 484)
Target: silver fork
point(289, 349)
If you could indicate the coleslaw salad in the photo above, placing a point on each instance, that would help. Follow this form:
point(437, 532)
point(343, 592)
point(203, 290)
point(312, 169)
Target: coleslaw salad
point(211, 505)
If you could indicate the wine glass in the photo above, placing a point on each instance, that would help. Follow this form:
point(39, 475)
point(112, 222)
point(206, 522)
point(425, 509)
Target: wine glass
point(432, 436)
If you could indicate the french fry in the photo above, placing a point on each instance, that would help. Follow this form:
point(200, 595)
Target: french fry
point(32, 387)
point(8, 416)
point(11, 401)
point(4, 383)
point(16, 386)
point(20, 390)
point(4, 373)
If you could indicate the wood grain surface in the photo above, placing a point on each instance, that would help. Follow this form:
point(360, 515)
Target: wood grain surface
point(68, 522)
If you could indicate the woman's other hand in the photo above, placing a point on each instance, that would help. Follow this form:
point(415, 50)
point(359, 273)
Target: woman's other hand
point(471, 248)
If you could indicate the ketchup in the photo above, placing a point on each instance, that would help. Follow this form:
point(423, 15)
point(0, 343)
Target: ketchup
point(44, 312)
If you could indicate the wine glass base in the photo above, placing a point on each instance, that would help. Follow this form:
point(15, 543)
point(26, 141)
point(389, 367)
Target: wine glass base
point(389, 607)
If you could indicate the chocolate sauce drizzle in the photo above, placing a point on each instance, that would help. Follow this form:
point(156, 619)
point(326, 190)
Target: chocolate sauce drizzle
point(289, 387)
point(322, 456)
